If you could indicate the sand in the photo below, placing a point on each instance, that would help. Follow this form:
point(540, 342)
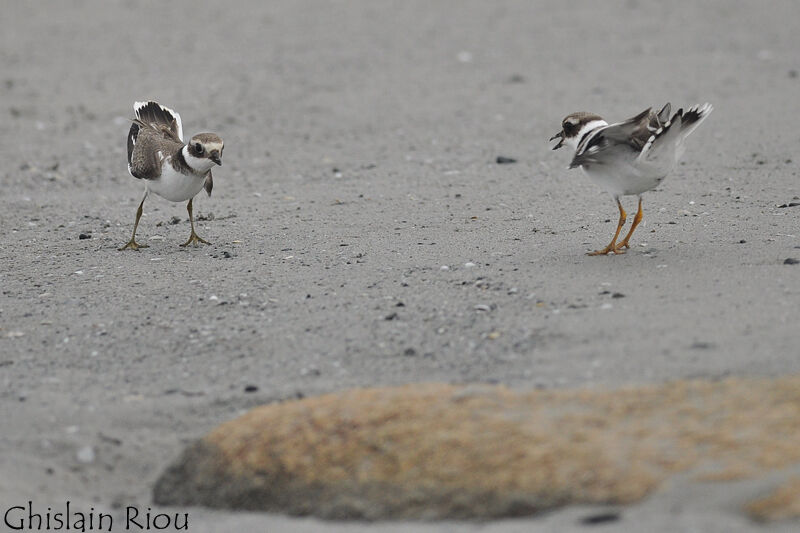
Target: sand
point(361, 145)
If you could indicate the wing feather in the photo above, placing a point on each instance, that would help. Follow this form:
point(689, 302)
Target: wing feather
point(155, 133)
point(631, 134)
point(160, 118)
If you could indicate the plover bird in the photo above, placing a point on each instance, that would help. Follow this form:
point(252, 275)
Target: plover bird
point(171, 169)
point(629, 157)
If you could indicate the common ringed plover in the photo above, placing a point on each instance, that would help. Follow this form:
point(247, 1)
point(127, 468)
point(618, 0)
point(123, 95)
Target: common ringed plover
point(629, 157)
point(170, 168)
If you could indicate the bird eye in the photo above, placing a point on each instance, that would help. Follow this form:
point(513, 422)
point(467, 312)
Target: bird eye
point(198, 148)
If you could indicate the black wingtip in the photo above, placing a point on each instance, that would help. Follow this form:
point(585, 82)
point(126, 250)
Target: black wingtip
point(696, 113)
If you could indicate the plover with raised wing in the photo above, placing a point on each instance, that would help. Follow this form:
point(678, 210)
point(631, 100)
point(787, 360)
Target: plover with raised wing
point(629, 157)
point(172, 169)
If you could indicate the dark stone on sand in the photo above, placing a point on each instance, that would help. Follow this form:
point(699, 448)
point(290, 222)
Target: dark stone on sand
point(600, 518)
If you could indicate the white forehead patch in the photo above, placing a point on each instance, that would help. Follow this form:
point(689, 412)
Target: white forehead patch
point(571, 121)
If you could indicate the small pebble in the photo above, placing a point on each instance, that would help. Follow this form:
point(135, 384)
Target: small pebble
point(251, 388)
point(84, 236)
point(482, 307)
point(503, 160)
point(791, 261)
point(700, 345)
point(85, 455)
point(469, 264)
point(444, 267)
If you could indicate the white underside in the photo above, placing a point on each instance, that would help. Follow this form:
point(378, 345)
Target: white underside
point(624, 172)
point(628, 177)
point(174, 186)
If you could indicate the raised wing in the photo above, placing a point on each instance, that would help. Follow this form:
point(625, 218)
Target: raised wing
point(661, 147)
point(667, 142)
point(694, 116)
point(631, 134)
point(160, 118)
point(663, 116)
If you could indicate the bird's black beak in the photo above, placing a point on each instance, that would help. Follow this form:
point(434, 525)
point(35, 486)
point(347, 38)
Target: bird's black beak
point(216, 158)
point(559, 135)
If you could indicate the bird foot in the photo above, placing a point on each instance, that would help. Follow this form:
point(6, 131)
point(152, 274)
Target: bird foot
point(194, 239)
point(133, 245)
point(611, 248)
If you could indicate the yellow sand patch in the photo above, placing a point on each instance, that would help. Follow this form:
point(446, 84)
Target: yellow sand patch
point(434, 451)
point(781, 504)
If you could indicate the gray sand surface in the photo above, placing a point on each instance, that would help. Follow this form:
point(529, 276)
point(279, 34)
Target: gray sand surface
point(361, 140)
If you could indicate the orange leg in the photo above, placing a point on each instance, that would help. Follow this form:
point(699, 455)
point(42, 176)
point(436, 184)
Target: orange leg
point(132, 244)
point(193, 238)
point(636, 220)
point(612, 246)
